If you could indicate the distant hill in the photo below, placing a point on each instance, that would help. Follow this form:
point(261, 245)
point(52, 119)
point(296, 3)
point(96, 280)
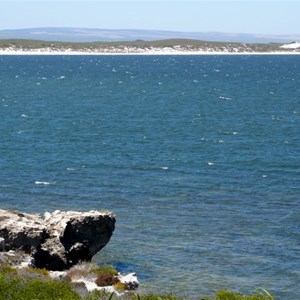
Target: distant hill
point(110, 35)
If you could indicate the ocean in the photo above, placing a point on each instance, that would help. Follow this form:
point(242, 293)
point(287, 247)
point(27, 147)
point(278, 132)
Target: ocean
point(198, 157)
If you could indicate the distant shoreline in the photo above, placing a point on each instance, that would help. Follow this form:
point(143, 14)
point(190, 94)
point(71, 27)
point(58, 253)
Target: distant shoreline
point(143, 52)
point(140, 47)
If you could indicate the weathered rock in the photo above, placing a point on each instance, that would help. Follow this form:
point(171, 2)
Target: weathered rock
point(2, 244)
point(130, 280)
point(58, 241)
point(21, 231)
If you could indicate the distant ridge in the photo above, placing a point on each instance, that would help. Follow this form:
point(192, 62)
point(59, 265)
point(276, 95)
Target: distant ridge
point(109, 35)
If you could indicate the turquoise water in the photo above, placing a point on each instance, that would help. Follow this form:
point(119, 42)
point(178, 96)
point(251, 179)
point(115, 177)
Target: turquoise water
point(198, 156)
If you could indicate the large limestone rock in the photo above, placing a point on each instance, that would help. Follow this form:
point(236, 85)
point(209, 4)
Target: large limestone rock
point(59, 240)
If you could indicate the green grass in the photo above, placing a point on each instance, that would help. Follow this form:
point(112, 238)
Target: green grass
point(22, 288)
point(106, 269)
point(221, 295)
point(228, 295)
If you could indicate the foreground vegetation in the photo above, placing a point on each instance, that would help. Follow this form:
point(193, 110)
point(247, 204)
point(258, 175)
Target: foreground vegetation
point(133, 46)
point(36, 284)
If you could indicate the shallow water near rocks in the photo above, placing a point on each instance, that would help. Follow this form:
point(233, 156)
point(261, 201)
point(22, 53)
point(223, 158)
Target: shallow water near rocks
point(198, 156)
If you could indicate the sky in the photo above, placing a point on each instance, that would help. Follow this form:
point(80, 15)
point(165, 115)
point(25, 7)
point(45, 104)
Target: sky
point(236, 16)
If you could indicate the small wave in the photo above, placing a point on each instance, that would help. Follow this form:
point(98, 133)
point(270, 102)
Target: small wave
point(224, 98)
point(43, 182)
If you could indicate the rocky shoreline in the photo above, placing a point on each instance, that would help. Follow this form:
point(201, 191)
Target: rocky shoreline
point(61, 243)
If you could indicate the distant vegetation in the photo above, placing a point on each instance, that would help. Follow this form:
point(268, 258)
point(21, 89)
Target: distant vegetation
point(140, 46)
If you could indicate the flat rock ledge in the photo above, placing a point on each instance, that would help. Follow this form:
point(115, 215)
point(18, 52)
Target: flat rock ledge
point(55, 242)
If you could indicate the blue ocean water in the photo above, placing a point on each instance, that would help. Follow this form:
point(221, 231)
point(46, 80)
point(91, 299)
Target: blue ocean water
point(198, 156)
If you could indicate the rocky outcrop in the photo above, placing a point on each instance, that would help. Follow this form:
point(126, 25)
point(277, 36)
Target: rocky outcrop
point(60, 239)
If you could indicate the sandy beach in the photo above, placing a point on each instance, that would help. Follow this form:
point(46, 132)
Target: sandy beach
point(139, 52)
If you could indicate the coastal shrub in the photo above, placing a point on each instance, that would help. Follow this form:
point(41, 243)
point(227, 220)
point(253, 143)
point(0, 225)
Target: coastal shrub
point(99, 295)
point(51, 289)
point(7, 270)
point(106, 279)
point(159, 297)
point(228, 295)
point(16, 287)
point(35, 284)
point(33, 272)
point(106, 275)
point(107, 269)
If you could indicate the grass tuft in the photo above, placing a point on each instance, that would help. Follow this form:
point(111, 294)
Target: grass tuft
point(107, 269)
point(229, 295)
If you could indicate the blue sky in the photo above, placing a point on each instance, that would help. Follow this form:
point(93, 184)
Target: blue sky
point(237, 16)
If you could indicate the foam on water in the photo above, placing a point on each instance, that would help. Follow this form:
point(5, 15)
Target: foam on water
point(43, 182)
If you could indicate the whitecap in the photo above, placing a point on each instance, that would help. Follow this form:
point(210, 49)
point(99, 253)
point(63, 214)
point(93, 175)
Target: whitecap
point(164, 168)
point(210, 163)
point(70, 169)
point(24, 116)
point(61, 77)
point(43, 182)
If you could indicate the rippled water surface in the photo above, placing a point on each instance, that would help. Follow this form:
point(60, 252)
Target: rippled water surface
point(198, 156)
